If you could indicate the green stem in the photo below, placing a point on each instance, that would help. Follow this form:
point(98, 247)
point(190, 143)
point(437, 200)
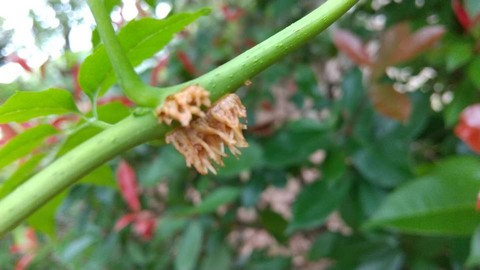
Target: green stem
point(233, 74)
point(137, 130)
point(127, 78)
point(62, 173)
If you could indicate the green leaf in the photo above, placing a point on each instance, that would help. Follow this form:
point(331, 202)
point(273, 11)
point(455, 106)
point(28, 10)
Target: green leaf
point(384, 163)
point(474, 257)
point(112, 112)
point(251, 158)
point(24, 143)
point(315, 202)
point(323, 246)
point(220, 196)
point(458, 54)
point(274, 223)
point(441, 203)
point(473, 72)
point(102, 176)
point(353, 91)
point(189, 247)
point(295, 142)
point(23, 106)
point(20, 175)
point(140, 40)
point(43, 219)
point(169, 164)
point(218, 255)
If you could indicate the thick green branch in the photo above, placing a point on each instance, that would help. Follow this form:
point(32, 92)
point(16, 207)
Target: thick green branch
point(74, 165)
point(235, 73)
point(128, 80)
point(137, 130)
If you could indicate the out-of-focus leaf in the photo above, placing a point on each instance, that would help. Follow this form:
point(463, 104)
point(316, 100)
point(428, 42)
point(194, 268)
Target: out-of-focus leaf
point(462, 15)
point(140, 39)
point(23, 105)
point(390, 103)
point(465, 94)
point(127, 181)
point(76, 247)
point(474, 71)
point(250, 158)
point(352, 46)
point(315, 202)
point(386, 258)
point(20, 175)
point(136, 252)
point(274, 223)
point(189, 247)
point(437, 204)
point(269, 262)
point(295, 142)
point(458, 54)
point(353, 91)
point(334, 165)
point(323, 246)
point(417, 43)
point(389, 41)
point(24, 143)
point(168, 165)
point(102, 176)
point(43, 219)
point(474, 257)
point(218, 197)
point(384, 163)
point(218, 254)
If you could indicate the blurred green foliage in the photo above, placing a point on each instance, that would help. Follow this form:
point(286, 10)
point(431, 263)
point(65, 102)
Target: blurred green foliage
point(329, 181)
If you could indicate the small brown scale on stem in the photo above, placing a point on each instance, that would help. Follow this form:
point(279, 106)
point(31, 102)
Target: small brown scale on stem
point(203, 140)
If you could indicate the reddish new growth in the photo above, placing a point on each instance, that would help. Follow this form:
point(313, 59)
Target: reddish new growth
point(206, 137)
point(183, 105)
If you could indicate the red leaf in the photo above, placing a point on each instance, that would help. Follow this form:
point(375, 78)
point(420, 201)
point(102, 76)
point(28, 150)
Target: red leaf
point(24, 261)
point(128, 185)
point(232, 13)
point(390, 103)
point(17, 59)
point(352, 46)
point(462, 15)
point(77, 90)
point(187, 64)
point(468, 128)
point(415, 44)
point(6, 133)
point(60, 122)
point(124, 221)
point(145, 225)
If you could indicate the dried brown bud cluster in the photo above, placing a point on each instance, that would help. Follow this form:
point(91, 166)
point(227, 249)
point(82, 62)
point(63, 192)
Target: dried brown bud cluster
point(182, 106)
point(205, 138)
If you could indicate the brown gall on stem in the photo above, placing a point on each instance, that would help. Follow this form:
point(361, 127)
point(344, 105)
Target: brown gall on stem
point(205, 139)
point(182, 106)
